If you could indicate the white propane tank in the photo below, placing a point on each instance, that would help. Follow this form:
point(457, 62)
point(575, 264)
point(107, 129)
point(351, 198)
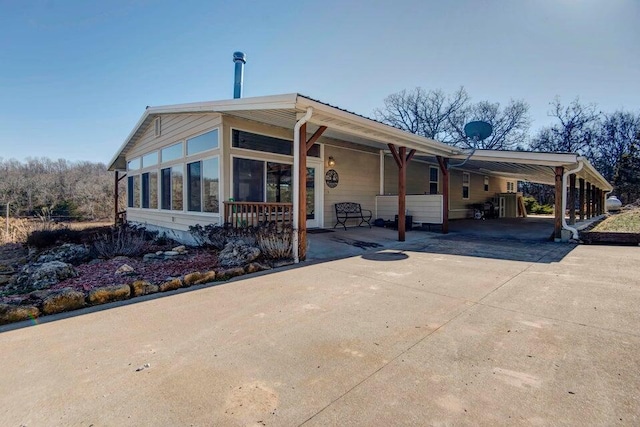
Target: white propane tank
point(613, 204)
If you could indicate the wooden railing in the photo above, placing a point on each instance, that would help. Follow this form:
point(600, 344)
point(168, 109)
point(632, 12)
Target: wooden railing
point(248, 214)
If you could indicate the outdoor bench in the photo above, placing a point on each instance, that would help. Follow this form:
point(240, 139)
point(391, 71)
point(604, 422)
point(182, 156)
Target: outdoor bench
point(348, 210)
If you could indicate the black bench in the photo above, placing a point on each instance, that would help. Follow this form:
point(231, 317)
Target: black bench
point(347, 210)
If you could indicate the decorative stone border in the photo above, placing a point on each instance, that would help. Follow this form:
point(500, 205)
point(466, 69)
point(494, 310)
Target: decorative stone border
point(68, 299)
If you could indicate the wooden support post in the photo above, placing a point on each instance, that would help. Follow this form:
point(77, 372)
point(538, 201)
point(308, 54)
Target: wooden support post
point(593, 201)
point(581, 196)
point(302, 195)
point(444, 169)
point(599, 201)
point(559, 214)
point(305, 145)
point(588, 201)
point(571, 203)
point(116, 196)
point(402, 158)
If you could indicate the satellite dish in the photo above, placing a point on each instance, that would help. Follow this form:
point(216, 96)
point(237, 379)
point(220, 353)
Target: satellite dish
point(478, 130)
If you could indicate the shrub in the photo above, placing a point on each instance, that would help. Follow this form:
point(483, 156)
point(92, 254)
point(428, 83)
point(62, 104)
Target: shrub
point(124, 240)
point(47, 238)
point(274, 243)
point(533, 207)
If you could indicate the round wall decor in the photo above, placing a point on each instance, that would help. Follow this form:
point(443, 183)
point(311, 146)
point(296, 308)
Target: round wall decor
point(331, 178)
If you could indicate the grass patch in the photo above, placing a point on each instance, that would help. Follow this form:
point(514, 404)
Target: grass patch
point(624, 222)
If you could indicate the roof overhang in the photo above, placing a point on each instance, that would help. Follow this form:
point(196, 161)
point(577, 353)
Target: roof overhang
point(283, 111)
point(528, 166)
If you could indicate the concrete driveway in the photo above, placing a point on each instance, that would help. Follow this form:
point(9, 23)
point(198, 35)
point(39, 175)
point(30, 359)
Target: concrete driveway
point(391, 337)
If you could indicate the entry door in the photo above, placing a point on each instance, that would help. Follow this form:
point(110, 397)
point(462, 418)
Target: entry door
point(501, 207)
point(314, 194)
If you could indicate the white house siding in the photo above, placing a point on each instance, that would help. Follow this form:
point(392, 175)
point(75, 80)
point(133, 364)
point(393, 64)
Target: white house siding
point(417, 177)
point(175, 128)
point(459, 207)
point(359, 179)
point(424, 208)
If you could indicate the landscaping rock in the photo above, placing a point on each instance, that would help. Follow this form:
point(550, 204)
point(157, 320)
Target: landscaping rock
point(229, 273)
point(153, 257)
point(170, 285)
point(171, 254)
point(142, 287)
point(237, 253)
point(65, 299)
point(256, 266)
point(124, 269)
point(16, 313)
point(198, 278)
point(40, 276)
point(180, 249)
point(69, 253)
point(109, 294)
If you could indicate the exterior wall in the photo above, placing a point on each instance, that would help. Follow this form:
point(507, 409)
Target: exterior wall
point(460, 208)
point(175, 128)
point(359, 178)
point(417, 177)
point(425, 208)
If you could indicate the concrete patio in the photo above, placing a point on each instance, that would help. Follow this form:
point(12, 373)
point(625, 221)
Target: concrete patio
point(404, 335)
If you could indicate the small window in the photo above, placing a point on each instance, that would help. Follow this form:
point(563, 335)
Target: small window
point(465, 185)
point(172, 153)
point(486, 183)
point(157, 125)
point(150, 159)
point(204, 142)
point(314, 151)
point(510, 187)
point(134, 164)
point(433, 180)
point(268, 144)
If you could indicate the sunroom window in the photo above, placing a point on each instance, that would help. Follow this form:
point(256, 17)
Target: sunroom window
point(171, 188)
point(203, 186)
point(204, 142)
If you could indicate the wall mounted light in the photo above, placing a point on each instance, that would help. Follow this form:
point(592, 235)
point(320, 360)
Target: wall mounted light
point(331, 162)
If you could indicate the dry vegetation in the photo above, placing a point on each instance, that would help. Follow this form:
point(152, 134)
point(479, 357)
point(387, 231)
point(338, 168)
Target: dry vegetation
point(627, 221)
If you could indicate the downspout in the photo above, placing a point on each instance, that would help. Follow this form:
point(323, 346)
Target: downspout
point(296, 181)
point(566, 226)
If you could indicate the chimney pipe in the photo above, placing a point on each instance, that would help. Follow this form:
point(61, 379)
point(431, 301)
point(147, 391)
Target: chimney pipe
point(239, 59)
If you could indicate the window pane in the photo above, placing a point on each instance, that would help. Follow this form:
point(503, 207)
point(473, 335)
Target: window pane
point(153, 190)
point(150, 159)
point(248, 180)
point(278, 183)
point(465, 192)
point(145, 190)
point(433, 188)
point(136, 191)
point(166, 188)
point(130, 191)
point(206, 141)
point(194, 189)
point(433, 174)
point(465, 178)
point(314, 151)
point(176, 188)
point(252, 141)
point(172, 153)
point(210, 180)
point(133, 164)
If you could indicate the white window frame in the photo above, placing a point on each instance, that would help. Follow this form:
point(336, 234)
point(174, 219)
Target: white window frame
point(437, 181)
point(486, 183)
point(467, 185)
point(264, 170)
point(186, 193)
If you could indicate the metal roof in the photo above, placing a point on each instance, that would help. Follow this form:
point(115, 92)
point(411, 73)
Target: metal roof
point(284, 110)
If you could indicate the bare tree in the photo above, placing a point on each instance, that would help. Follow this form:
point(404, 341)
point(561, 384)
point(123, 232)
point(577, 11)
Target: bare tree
point(575, 132)
point(614, 139)
point(422, 112)
point(510, 125)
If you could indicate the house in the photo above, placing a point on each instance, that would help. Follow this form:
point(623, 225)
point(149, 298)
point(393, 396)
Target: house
point(213, 162)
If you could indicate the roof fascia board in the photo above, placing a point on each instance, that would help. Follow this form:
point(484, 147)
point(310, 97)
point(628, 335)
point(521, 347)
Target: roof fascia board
point(135, 129)
point(524, 157)
point(276, 102)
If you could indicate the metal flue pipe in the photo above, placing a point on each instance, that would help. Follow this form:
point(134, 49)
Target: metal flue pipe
point(239, 59)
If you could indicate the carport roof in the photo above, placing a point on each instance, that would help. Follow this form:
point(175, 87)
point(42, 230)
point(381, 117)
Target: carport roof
point(284, 110)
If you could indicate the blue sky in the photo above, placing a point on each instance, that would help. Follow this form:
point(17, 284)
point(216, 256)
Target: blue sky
point(75, 76)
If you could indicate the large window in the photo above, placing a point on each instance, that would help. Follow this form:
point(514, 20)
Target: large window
point(171, 188)
point(171, 153)
point(203, 186)
point(252, 177)
point(267, 144)
point(433, 180)
point(465, 185)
